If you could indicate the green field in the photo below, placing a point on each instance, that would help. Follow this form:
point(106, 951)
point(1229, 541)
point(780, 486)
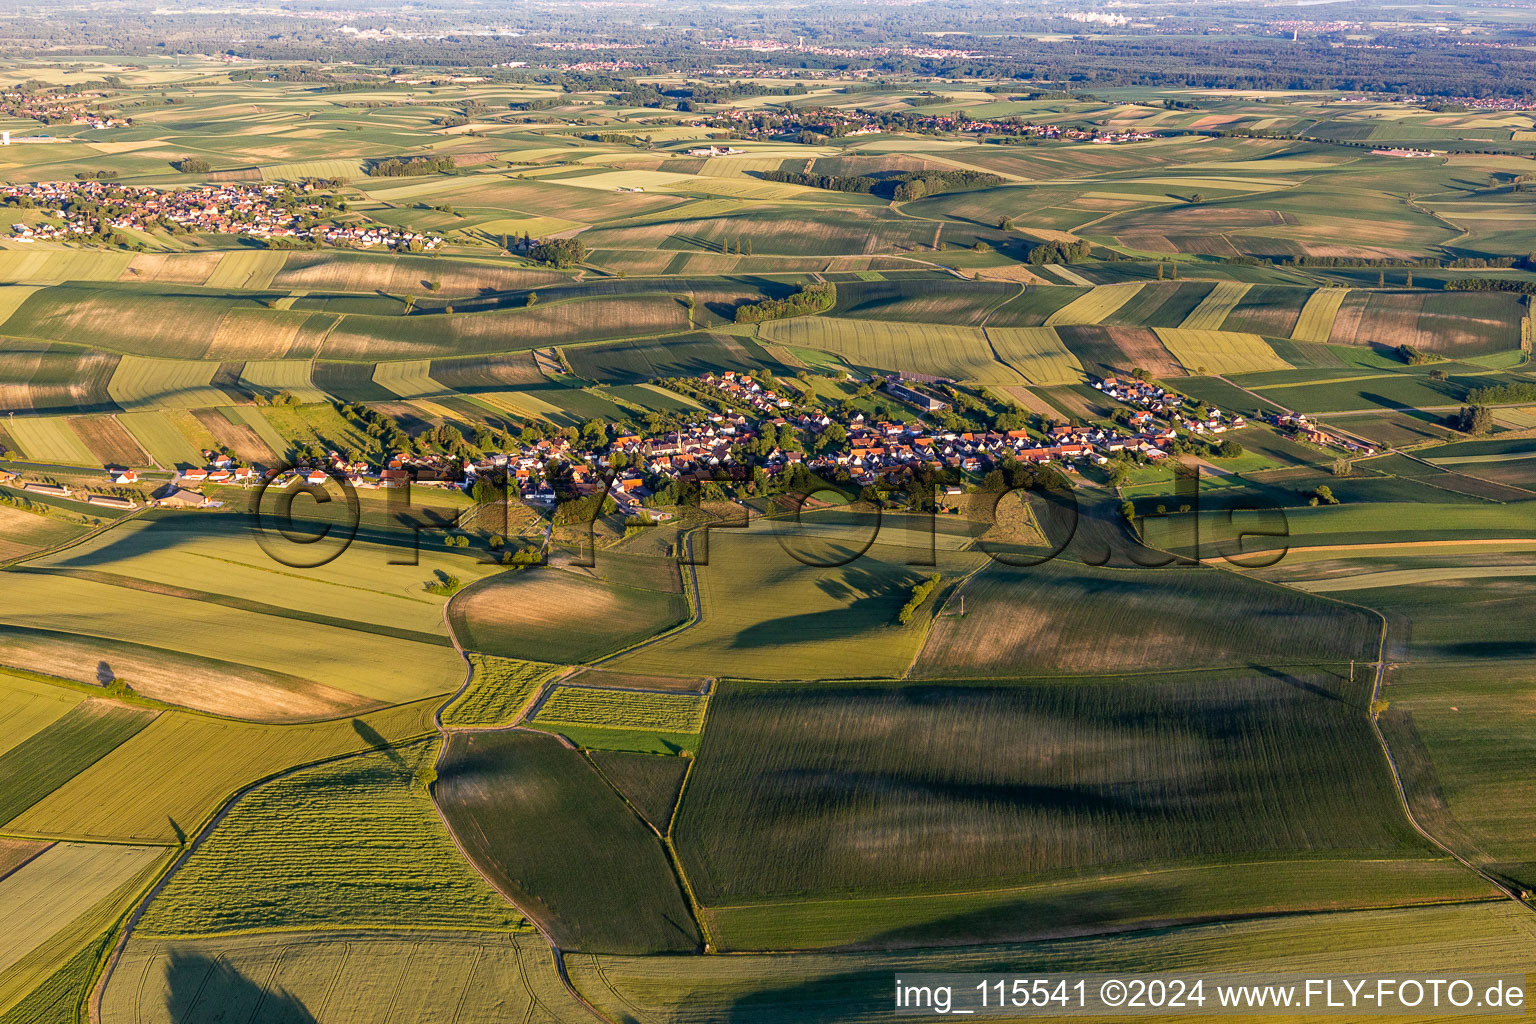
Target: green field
point(351, 844)
point(1213, 309)
point(650, 782)
point(744, 765)
point(959, 352)
point(127, 596)
point(537, 818)
point(799, 989)
point(31, 706)
point(59, 902)
point(1064, 618)
point(1273, 776)
point(142, 382)
point(499, 691)
point(171, 775)
point(1093, 307)
point(617, 719)
point(767, 614)
point(50, 439)
point(71, 743)
point(1212, 351)
point(158, 436)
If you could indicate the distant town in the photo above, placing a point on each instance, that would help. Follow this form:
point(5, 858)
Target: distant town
point(297, 212)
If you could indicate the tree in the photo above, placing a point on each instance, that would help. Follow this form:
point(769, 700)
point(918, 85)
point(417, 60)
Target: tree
point(1341, 467)
point(533, 298)
point(192, 165)
point(1474, 419)
point(1160, 270)
point(1324, 495)
point(562, 253)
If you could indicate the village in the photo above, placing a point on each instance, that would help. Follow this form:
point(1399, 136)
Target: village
point(265, 211)
point(57, 108)
point(760, 123)
point(753, 435)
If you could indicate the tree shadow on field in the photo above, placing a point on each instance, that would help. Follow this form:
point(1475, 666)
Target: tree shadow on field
point(847, 623)
point(371, 736)
point(202, 990)
point(1037, 920)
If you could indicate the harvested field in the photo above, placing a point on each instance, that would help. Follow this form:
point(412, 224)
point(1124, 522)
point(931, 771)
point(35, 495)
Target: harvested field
point(1452, 324)
point(108, 441)
point(555, 615)
point(1106, 351)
